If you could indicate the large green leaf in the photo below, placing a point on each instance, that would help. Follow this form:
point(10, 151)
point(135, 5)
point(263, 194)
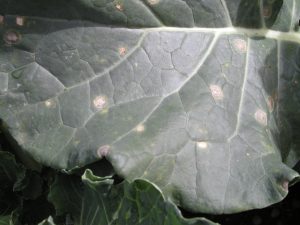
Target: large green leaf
point(66, 195)
point(198, 111)
point(103, 203)
point(10, 219)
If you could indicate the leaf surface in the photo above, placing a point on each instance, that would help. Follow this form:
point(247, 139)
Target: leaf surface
point(199, 107)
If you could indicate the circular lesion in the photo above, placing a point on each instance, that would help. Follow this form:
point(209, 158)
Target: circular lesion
point(216, 92)
point(100, 102)
point(261, 117)
point(12, 37)
point(240, 45)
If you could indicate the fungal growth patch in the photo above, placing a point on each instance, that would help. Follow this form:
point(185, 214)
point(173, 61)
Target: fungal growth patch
point(240, 45)
point(12, 37)
point(202, 145)
point(153, 2)
point(20, 20)
point(103, 151)
point(216, 92)
point(140, 128)
point(122, 51)
point(261, 117)
point(100, 102)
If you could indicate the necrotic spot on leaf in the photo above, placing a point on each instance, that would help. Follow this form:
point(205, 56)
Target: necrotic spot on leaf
point(270, 103)
point(122, 51)
point(12, 37)
point(216, 92)
point(240, 45)
point(49, 103)
point(103, 151)
point(202, 144)
point(119, 7)
point(100, 102)
point(20, 20)
point(261, 117)
point(153, 2)
point(285, 185)
point(140, 128)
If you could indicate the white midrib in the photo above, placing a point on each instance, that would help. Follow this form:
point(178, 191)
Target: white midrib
point(293, 13)
point(265, 33)
point(239, 112)
point(227, 14)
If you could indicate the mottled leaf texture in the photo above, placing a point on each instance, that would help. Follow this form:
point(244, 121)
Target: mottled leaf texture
point(199, 97)
point(137, 203)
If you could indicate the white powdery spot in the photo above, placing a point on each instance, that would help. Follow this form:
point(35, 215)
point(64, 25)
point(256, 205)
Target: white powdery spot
point(49, 103)
point(103, 151)
point(122, 51)
point(12, 37)
point(100, 102)
point(261, 117)
point(153, 2)
point(216, 92)
point(285, 186)
point(140, 128)
point(202, 144)
point(20, 21)
point(240, 45)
